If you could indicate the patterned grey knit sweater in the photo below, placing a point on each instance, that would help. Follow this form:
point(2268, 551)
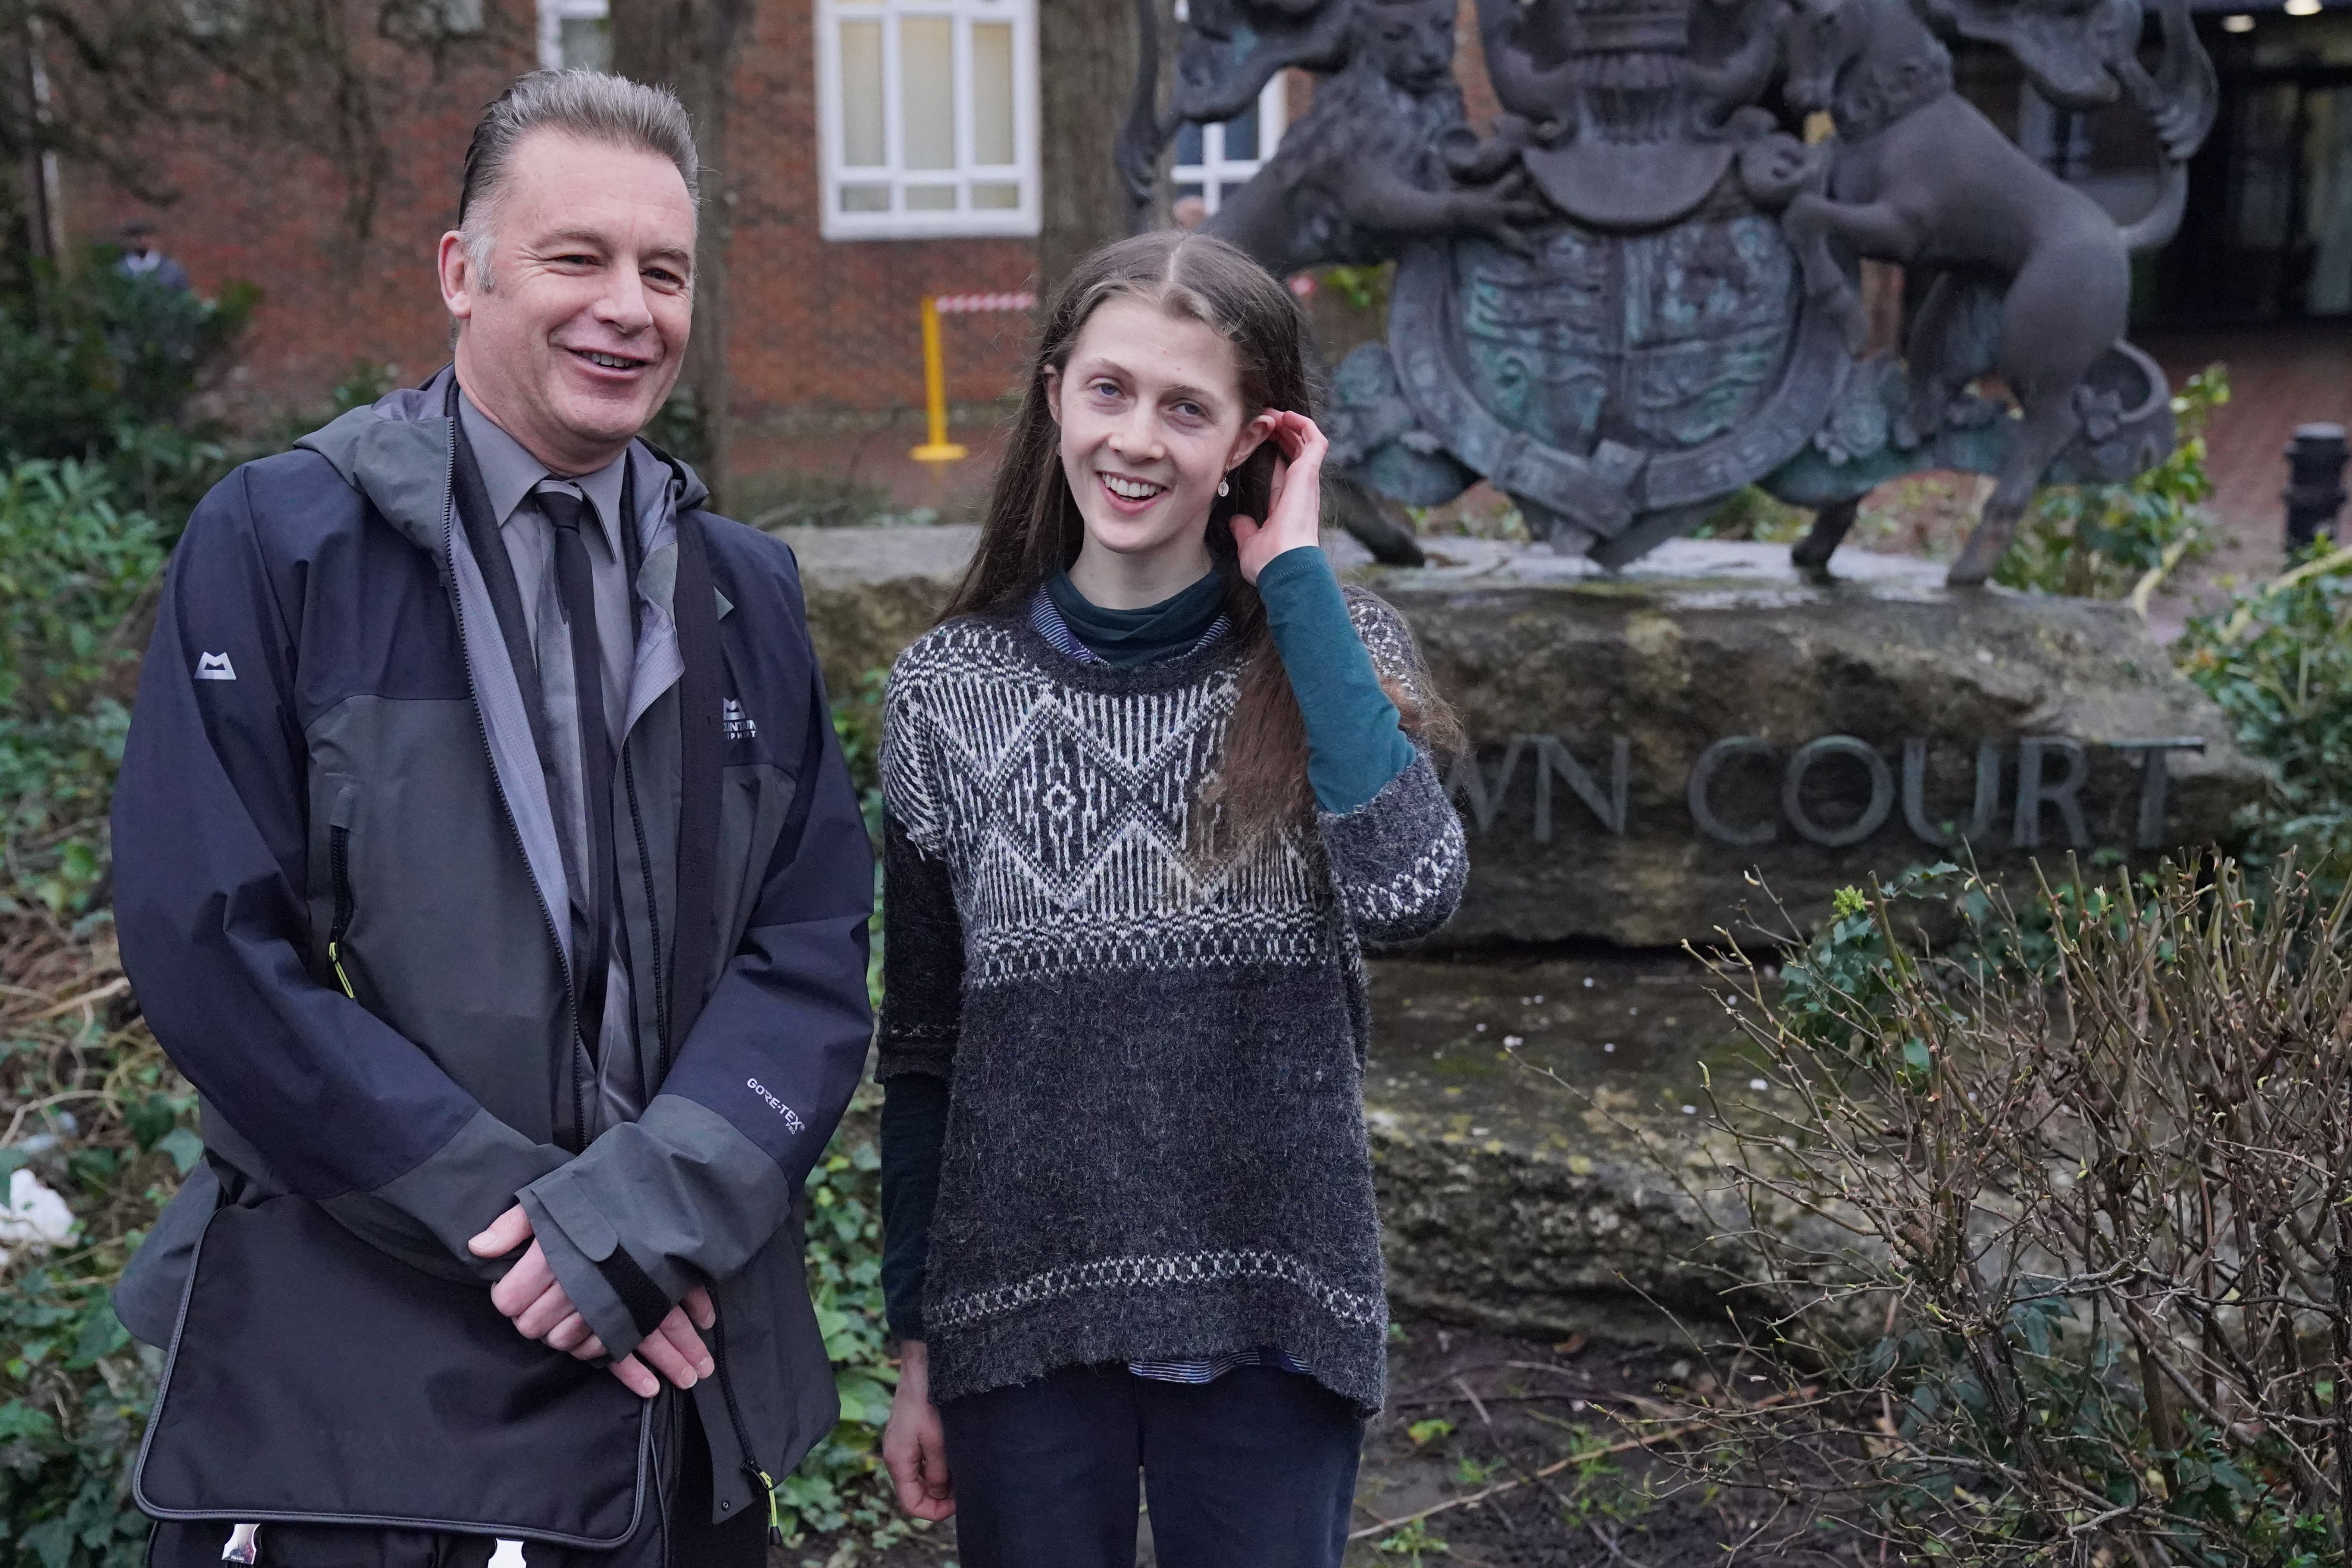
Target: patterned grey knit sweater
point(1155, 1142)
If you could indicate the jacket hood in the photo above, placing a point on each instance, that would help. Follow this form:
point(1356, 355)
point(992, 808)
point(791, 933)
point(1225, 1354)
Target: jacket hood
point(395, 451)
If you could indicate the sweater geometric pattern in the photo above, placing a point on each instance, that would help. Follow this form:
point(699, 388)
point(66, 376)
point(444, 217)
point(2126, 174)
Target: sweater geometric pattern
point(1076, 803)
point(1204, 1268)
point(1155, 1145)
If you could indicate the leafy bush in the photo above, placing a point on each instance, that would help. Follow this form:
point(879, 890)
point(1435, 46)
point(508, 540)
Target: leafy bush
point(841, 1487)
point(99, 468)
point(1365, 288)
point(2278, 659)
point(73, 577)
point(111, 1128)
point(2062, 1207)
point(100, 369)
point(1748, 513)
point(2113, 542)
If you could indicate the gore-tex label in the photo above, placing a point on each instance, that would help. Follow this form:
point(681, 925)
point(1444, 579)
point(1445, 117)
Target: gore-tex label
point(791, 1118)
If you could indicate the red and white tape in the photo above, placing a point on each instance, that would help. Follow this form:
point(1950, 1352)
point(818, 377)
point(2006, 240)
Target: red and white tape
point(976, 304)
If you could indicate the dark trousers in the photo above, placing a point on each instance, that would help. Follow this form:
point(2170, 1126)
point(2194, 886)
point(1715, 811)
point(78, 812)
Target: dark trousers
point(1256, 1469)
point(678, 1536)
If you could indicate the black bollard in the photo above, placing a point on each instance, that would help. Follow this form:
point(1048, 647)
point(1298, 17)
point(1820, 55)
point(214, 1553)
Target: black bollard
point(2314, 485)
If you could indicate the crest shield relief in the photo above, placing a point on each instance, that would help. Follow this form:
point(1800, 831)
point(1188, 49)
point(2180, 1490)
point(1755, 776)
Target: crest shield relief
point(1638, 293)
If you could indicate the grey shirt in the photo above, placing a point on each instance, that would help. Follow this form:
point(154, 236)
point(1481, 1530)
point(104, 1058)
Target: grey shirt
point(511, 475)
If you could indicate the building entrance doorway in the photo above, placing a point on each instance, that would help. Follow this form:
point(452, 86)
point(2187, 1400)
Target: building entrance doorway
point(2268, 234)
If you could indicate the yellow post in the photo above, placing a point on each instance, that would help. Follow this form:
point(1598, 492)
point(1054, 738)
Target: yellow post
point(939, 448)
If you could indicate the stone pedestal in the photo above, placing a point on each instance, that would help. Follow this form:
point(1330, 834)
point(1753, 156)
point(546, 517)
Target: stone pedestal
point(872, 591)
point(1647, 742)
point(1537, 1170)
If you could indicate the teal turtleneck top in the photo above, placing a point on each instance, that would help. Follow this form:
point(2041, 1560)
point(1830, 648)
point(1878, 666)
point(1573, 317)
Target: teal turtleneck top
point(1124, 639)
point(1354, 743)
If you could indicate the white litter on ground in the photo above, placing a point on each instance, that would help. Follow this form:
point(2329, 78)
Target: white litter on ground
point(35, 1218)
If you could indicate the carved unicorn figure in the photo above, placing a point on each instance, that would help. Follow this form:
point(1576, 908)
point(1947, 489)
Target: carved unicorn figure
point(1918, 177)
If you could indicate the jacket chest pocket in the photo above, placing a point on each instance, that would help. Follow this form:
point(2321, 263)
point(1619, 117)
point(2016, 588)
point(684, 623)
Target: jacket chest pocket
point(341, 895)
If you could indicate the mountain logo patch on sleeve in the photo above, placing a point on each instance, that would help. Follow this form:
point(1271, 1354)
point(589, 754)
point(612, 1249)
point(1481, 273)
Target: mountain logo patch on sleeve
point(214, 666)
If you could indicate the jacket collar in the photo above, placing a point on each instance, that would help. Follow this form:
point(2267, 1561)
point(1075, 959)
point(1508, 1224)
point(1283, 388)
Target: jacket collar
point(396, 452)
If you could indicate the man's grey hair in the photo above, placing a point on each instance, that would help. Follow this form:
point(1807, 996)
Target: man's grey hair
point(588, 104)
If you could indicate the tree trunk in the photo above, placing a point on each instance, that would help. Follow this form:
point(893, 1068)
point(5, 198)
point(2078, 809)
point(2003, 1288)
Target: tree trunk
point(1087, 55)
point(690, 47)
point(44, 224)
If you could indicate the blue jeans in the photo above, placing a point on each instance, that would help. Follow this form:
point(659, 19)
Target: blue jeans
point(1256, 1469)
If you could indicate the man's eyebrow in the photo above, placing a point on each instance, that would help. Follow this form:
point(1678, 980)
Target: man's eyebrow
point(590, 237)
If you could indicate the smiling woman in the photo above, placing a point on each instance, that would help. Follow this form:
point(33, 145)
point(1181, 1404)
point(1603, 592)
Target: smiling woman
point(570, 273)
point(1147, 784)
point(1151, 422)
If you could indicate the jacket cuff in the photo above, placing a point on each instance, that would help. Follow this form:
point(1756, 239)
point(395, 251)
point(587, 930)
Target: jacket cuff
point(608, 1287)
point(426, 1214)
point(653, 1208)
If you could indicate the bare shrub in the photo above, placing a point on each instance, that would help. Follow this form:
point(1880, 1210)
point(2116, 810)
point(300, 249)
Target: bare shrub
point(2084, 1177)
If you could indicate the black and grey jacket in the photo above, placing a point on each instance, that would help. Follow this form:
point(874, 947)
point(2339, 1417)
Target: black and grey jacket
point(332, 746)
point(1155, 1145)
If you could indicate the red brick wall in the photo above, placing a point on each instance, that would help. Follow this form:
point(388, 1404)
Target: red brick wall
point(817, 326)
point(275, 216)
point(821, 330)
point(836, 324)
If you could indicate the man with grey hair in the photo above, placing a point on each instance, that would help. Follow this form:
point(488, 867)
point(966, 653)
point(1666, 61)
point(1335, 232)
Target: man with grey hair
point(486, 859)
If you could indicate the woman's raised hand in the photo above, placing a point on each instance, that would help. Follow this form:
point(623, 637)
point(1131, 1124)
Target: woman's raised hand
point(1293, 514)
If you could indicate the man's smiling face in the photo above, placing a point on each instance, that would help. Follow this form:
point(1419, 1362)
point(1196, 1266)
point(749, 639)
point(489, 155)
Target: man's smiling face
point(578, 331)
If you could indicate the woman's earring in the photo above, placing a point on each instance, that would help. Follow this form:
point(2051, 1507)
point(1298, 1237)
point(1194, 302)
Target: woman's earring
point(1225, 487)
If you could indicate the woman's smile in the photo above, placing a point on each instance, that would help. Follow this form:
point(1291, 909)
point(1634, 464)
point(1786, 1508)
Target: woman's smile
point(1131, 495)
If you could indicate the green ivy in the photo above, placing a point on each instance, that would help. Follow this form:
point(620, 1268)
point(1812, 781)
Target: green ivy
point(841, 1488)
point(2114, 542)
point(74, 570)
point(62, 1476)
point(73, 1388)
point(2278, 660)
point(841, 1485)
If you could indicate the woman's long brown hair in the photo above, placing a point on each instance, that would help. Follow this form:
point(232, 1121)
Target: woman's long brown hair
point(1033, 527)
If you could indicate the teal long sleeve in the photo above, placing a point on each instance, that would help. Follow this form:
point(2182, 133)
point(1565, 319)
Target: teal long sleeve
point(1355, 744)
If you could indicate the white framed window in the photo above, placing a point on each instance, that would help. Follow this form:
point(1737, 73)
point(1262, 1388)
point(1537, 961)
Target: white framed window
point(1213, 160)
point(927, 118)
point(575, 34)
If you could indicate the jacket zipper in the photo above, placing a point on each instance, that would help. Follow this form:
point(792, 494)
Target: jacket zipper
point(653, 914)
point(482, 725)
point(339, 864)
point(742, 1433)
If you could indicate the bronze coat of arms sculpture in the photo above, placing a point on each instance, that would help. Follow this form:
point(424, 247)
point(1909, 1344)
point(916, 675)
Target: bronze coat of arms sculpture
point(1639, 292)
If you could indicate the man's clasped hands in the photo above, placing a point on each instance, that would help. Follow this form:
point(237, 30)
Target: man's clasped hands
point(543, 1311)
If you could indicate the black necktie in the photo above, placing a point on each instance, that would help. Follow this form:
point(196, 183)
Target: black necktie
point(575, 587)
